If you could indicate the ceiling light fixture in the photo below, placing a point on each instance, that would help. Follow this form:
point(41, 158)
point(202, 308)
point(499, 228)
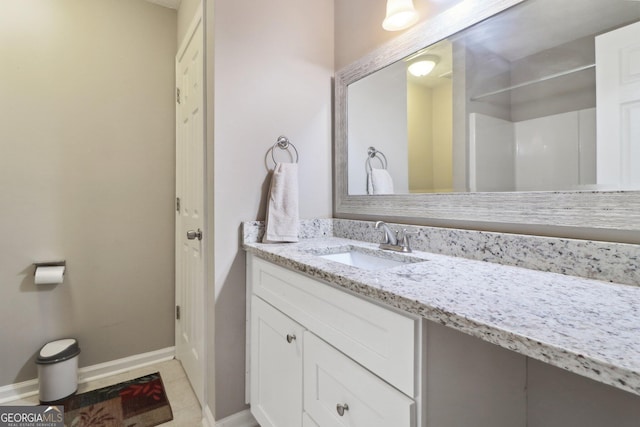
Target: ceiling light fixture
point(400, 15)
point(423, 65)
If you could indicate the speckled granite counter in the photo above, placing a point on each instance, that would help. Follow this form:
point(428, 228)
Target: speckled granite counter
point(588, 327)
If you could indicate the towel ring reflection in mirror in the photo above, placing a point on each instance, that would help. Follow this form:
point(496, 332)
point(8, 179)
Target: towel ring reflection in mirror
point(283, 143)
point(372, 153)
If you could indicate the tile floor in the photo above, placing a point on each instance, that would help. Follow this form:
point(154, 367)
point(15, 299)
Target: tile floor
point(184, 404)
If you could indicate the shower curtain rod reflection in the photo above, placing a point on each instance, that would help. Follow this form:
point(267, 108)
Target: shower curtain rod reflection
point(531, 82)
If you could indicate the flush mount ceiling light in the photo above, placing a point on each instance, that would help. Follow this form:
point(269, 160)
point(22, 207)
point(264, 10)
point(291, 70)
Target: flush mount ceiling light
point(423, 65)
point(400, 15)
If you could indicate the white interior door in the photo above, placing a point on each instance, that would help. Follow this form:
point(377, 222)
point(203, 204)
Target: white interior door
point(618, 106)
point(190, 218)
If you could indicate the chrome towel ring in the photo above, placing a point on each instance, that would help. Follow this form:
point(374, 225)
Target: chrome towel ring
point(372, 153)
point(283, 143)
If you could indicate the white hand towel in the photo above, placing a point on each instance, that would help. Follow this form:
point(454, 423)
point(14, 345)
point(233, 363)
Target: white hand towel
point(379, 181)
point(282, 221)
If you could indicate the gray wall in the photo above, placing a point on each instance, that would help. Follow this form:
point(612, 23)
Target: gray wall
point(86, 175)
point(273, 72)
point(473, 383)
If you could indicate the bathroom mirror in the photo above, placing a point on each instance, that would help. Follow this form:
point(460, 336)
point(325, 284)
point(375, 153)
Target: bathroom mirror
point(506, 128)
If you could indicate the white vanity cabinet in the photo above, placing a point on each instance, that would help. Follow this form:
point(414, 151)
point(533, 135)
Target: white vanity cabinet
point(356, 361)
point(352, 363)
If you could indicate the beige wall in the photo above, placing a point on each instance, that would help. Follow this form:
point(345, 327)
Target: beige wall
point(86, 175)
point(430, 140)
point(420, 142)
point(442, 137)
point(273, 71)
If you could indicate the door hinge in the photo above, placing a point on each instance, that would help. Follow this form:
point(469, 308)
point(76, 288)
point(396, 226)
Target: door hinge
point(178, 204)
point(177, 312)
point(178, 95)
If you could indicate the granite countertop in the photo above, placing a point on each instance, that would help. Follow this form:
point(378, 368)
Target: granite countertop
point(588, 327)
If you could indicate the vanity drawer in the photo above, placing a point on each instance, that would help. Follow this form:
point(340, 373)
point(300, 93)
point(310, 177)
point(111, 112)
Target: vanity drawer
point(378, 338)
point(340, 393)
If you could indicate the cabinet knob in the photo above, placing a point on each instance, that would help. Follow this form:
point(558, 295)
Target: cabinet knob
point(291, 338)
point(341, 408)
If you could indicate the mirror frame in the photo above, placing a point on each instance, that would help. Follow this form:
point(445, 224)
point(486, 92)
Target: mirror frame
point(595, 215)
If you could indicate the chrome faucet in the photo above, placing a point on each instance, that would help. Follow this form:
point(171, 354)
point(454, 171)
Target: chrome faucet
point(395, 241)
point(389, 236)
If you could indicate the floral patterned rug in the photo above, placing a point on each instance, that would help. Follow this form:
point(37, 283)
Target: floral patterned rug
point(141, 402)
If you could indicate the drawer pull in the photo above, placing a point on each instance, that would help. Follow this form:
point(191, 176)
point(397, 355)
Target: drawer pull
point(341, 408)
point(291, 338)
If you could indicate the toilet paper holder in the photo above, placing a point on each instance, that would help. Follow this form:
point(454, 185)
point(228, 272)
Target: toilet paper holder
point(50, 264)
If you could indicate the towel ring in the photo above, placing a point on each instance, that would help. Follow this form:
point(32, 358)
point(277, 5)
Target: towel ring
point(372, 153)
point(283, 143)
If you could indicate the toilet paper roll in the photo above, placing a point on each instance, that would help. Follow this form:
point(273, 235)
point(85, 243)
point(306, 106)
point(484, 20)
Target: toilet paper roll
point(49, 275)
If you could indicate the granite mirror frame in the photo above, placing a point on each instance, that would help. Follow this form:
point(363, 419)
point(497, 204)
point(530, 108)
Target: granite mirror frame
point(597, 215)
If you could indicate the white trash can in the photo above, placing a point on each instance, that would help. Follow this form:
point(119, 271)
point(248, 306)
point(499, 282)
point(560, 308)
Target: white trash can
point(58, 370)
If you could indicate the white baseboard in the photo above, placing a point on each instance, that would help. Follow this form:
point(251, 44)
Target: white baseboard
point(241, 419)
point(18, 391)
point(207, 417)
point(118, 366)
point(29, 388)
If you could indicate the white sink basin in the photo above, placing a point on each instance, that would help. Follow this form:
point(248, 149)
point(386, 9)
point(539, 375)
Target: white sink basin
point(366, 261)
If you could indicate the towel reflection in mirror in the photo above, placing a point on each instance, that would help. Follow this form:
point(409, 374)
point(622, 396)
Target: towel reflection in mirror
point(379, 180)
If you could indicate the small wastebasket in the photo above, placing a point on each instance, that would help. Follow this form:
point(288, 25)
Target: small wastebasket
point(58, 369)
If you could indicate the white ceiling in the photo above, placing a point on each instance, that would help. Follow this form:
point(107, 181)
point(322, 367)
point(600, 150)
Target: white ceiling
point(538, 25)
point(430, 8)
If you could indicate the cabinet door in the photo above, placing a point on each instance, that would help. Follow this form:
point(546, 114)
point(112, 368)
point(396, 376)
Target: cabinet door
point(276, 367)
point(338, 392)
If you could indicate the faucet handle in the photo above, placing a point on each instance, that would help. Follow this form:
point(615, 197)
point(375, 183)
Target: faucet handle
point(403, 239)
point(404, 233)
